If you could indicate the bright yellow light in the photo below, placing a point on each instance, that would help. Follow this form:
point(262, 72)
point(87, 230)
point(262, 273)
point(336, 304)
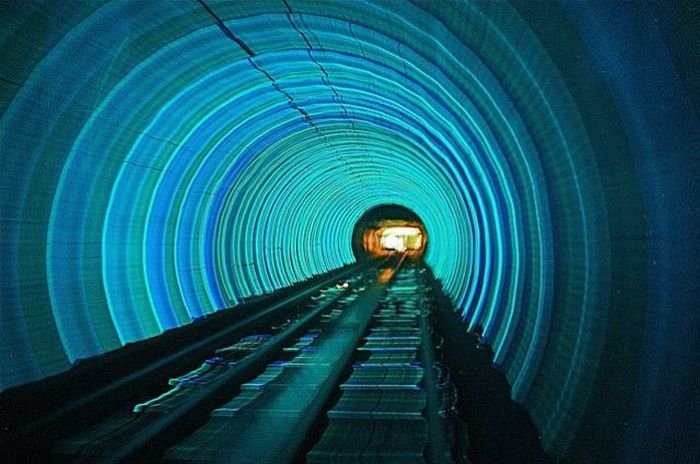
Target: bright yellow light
point(393, 242)
point(401, 238)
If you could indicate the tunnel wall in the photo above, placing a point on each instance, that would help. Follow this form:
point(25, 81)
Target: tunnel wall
point(164, 160)
point(643, 57)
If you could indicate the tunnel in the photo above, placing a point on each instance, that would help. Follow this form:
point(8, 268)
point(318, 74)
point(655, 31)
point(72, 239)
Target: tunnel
point(386, 230)
point(166, 164)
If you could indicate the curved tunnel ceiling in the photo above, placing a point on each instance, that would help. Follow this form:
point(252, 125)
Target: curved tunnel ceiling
point(168, 159)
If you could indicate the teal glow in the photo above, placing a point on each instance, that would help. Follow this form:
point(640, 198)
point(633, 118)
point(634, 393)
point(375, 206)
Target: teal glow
point(159, 167)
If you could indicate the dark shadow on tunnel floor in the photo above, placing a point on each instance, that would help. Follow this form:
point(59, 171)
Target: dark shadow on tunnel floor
point(499, 430)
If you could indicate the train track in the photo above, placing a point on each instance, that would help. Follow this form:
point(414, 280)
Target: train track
point(350, 375)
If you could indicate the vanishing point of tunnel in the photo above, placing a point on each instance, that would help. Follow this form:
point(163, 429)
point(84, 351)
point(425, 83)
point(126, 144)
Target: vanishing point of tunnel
point(350, 231)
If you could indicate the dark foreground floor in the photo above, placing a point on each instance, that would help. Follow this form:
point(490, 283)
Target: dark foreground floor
point(495, 429)
point(500, 431)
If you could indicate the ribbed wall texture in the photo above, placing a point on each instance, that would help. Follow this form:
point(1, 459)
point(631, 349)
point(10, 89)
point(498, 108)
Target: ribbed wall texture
point(162, 160)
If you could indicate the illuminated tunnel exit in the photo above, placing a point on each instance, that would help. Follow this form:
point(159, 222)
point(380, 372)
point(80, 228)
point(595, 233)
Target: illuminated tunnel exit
point(402, 238)
point(380, 230)
point(387, 230)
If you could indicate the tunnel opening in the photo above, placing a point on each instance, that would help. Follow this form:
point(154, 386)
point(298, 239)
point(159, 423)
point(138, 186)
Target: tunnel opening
point(389, 230)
